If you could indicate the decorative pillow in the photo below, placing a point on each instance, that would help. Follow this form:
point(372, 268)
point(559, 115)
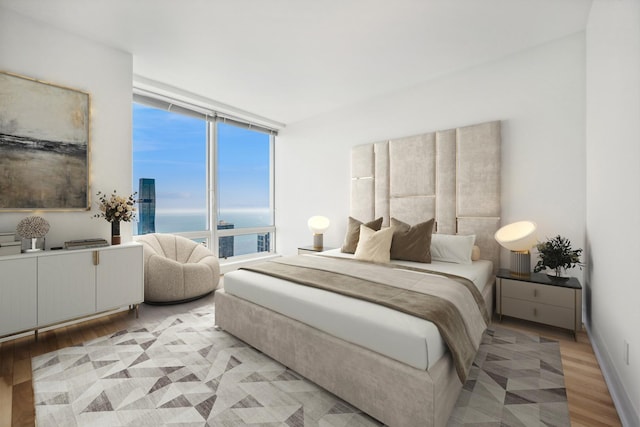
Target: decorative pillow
point(353, 233)
point(411, 243)
point(452, 248)
point(475, 253)
point(374, 245)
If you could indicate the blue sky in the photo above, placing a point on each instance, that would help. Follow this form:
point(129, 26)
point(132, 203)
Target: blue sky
point(243, 168)
point(172, 148)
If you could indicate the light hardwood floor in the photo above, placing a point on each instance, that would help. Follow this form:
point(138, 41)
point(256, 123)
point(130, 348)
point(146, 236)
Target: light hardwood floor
point(589, 401)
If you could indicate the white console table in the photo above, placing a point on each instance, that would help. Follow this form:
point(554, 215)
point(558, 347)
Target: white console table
point(41, 289)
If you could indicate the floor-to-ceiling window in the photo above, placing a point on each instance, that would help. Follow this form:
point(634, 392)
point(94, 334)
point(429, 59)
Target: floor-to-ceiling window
point(204, 176)
point(244, 160)
point(170, 156)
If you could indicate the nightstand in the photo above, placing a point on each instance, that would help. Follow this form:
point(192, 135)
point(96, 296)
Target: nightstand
point(312, 250)
point(541, 299)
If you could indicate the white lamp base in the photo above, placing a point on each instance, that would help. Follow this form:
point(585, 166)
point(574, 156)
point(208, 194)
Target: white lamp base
point(520, 263)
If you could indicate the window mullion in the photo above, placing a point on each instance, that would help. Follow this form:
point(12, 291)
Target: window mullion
point(212, 147)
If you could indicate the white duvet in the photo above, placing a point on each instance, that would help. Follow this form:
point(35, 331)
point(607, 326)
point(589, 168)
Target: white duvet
point(400, 336)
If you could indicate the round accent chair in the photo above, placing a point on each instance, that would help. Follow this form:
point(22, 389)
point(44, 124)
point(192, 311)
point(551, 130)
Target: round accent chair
point(177, 269)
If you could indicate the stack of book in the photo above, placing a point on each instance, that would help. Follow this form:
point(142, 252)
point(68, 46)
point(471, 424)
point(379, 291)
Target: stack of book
point(8, 244)
point(85, 244)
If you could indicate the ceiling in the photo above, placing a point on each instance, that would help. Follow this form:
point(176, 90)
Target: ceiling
point(288, 60)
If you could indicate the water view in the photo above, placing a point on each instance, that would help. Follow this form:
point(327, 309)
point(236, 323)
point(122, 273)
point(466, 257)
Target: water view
point(177, 222)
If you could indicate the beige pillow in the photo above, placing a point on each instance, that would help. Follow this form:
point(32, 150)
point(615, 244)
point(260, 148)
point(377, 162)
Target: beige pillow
point(353, 233)
point(475, 253)
point(374, 245)
point(412, 243)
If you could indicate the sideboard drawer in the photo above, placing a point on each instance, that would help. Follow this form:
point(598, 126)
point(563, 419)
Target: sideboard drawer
point(550, 295)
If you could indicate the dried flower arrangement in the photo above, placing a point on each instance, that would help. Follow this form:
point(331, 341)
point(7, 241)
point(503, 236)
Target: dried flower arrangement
point(32, 227)
point(116, 208)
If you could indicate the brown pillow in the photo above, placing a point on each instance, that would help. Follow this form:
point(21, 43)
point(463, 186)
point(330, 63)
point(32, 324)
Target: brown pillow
point(353, 233)
point(412, 243)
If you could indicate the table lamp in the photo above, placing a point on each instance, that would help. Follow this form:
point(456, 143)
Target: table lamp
point(318, 225)
point(518, 237)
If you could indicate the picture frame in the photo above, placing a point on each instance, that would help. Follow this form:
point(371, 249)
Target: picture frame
point(44, 145)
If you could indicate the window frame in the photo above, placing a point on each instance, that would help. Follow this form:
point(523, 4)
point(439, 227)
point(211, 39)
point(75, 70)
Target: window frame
point(212, 235)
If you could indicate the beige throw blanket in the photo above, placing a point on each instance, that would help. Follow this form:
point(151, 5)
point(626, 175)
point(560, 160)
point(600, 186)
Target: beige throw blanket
point(456, 307)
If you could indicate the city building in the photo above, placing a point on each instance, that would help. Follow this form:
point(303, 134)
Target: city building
point(264, 242)
point(225, 243)
point(147, 206)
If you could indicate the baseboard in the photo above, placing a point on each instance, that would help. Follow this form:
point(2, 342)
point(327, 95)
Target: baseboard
point(626, 411)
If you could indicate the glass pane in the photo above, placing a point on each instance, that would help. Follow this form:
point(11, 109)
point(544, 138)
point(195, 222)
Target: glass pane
point(244, 178)
point(229, 246)
point(169, 171)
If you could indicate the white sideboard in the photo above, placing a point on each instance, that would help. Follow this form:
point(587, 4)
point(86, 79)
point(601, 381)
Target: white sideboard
point(40, 289)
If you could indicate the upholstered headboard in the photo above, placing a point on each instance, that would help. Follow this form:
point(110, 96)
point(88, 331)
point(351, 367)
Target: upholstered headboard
point(451, 175)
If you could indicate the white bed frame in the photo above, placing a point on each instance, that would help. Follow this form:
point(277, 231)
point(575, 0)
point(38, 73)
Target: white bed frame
point(451, 175)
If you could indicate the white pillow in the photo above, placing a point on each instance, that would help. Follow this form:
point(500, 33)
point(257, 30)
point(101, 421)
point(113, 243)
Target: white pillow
point(374, 245)
point(452, 248)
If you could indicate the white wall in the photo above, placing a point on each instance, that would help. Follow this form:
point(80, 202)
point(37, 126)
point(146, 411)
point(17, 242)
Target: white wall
point(36, 50)
point(613, 195)
point(539, 96)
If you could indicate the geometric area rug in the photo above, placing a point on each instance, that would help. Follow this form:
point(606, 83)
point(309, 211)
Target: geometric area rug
point(183, 372)
point(515, 380)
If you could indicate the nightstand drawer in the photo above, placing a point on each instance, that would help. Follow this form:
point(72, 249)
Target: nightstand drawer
point(536, 312)
point(550, 295)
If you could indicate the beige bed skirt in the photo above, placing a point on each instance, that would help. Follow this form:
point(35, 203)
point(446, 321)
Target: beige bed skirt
point(388, 390)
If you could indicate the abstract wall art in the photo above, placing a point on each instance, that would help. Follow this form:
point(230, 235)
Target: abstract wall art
point(44, 145)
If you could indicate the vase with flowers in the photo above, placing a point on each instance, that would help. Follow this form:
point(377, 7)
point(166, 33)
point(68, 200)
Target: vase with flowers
point(558, 255)
point(115, 209)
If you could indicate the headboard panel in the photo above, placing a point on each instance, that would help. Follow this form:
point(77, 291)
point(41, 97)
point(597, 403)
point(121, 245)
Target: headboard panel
point(446, 191)
point(451, 175)
point(362, 181)
point(382, 189)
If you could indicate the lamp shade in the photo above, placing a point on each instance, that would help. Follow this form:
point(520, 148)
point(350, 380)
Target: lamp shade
point(518, 236)
point(318, 224)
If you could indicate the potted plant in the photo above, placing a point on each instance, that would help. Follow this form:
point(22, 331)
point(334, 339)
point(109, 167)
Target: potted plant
point(557, 254)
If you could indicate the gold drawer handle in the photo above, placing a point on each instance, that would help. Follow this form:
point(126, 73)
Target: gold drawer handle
point(535, 312)
point(535, 293)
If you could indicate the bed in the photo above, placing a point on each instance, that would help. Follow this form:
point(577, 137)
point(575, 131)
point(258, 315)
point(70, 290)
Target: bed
point(390, 365)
